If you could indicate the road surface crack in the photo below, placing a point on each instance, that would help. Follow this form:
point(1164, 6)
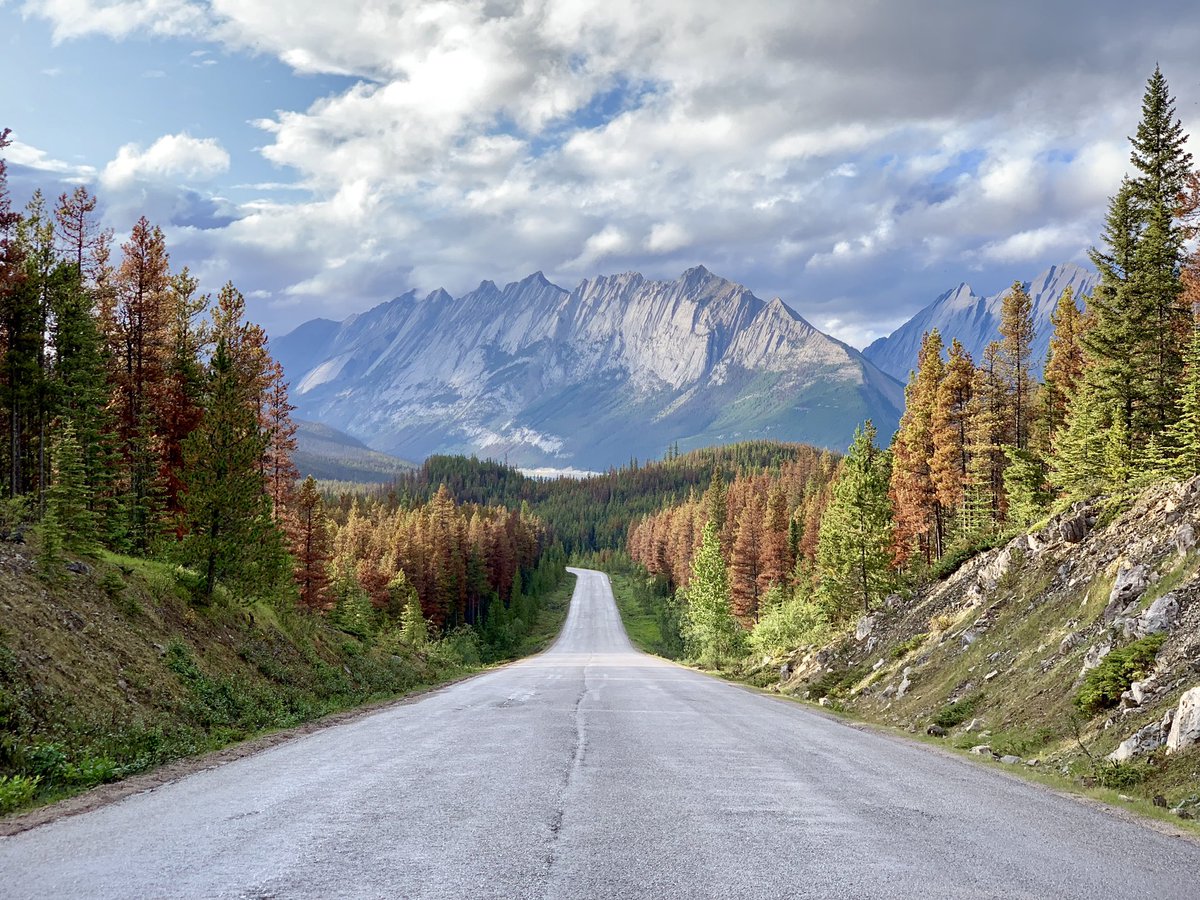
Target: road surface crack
point(570, 775)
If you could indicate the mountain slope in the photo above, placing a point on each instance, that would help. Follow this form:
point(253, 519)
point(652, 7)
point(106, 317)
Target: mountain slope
point(325, 452)
point(974, 320)
point(621, 366)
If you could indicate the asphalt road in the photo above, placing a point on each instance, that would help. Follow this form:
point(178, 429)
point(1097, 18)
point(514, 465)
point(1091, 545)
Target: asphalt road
point(596, 771)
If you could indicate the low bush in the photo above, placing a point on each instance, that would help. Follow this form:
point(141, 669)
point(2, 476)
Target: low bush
point(1103, 686)
point(958, 712)
point(16, 791)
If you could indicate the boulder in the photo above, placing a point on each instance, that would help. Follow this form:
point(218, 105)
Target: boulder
point(77, 567)
point(1092, 658)
point(1131, 583)
point(1144, 740)
point(1073, 529)
point(1185, 729)
point(1185, 538)
point(905, 683)
point(982, 750)
point(865, 624)
point(1140, 690)
point(973, 725)
point(1010, 760)
point(969, 637)
point(1161, 617)
point(1070, 642)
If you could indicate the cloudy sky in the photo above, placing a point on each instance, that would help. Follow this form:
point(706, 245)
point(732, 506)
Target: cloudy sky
point(854, 158)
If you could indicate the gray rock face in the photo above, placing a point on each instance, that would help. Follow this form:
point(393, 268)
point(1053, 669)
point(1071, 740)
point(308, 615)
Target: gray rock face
point(1131, 583)
point(905, 683)
point(1161, 617)
point(1092, 658)
point(975, 320)
point(620, 366)
point(1144, 740)
point(863, 629)
point(1185, 729)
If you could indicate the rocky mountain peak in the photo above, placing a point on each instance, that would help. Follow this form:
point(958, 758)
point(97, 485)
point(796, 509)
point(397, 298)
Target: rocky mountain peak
point(620, 366)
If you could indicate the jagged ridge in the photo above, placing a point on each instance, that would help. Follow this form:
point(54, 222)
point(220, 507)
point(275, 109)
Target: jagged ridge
point(621, 366)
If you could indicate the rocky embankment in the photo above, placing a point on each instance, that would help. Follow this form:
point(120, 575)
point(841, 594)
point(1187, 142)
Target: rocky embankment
point(1076, 646)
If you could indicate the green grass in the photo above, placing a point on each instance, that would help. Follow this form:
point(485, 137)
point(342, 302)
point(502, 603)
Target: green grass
point(641, 623)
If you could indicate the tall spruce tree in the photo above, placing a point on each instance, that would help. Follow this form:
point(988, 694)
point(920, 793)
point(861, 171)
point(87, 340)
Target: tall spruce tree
point(227, 515)
point(1141, 326)
point(854, 547)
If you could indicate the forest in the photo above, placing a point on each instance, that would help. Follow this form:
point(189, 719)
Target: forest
point(144, 419)
point(778, 560)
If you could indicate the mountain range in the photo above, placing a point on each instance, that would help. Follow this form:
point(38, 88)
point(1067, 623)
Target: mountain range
point(975, 320)
point(622, 366)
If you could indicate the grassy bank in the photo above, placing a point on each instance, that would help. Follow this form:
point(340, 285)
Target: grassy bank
point(113, 672)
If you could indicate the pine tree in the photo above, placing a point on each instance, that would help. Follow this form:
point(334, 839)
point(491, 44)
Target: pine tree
point(1182, 437)
point(1078, 458)
point(988, 415)
point(744, 564)
point(775, 554)
point(1025, 486)
point(414, 630)
point(949, 466)
point(69, 495)
point(715, 500)
point(229, 530)
point(920, 521)
point(1064, 363)
point(854, 547)
point(309, 533)
point(1137, 344)
point(712, 634)
point(1016, 354)
point(139, 336)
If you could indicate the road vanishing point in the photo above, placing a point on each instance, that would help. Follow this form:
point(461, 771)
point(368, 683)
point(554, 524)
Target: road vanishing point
point(596, 771)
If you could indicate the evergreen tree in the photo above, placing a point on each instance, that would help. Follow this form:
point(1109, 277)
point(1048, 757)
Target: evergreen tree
point(853, 550)
point(227, 516)
point(988, 415)
point(949, 466)
point(1078, 458)
point(1182, 438)
point(414, 630)
point(1016, 354)
point(775, 553)
point(1025, 486)
point(1137, 344)
point(69, 496)
point(712, 634)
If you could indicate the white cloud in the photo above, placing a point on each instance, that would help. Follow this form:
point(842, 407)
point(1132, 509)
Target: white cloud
point(22, 154)
point(119, 18)
point(171, 158)
point(1032, 245)
point(841, 153)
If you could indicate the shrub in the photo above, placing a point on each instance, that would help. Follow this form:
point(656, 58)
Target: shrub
point(836, 683)
point(902, 650)
point(16, 791)
point(1117, 775)
point(958, 712)
point(1103, 686)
